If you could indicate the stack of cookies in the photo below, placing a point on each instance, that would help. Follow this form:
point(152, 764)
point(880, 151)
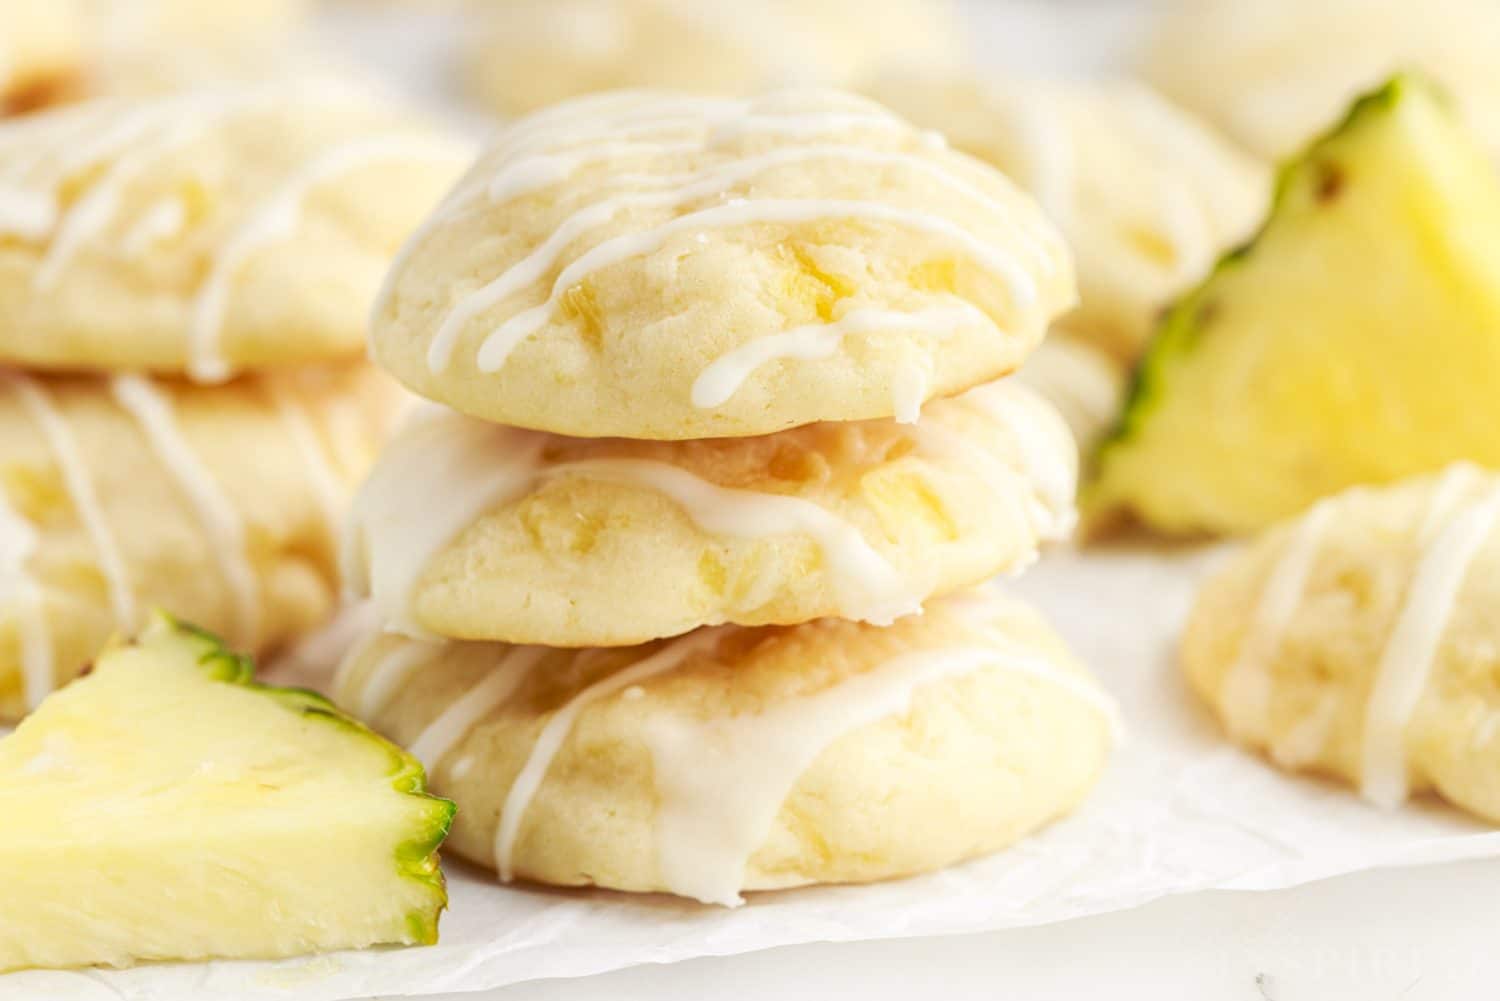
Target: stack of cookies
point(676, 571)
point(184, 283)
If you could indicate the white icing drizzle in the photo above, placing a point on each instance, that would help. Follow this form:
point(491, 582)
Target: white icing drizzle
point(326, 484)
point(557, 728)
point(718, 383)
point(1412, 650)
point(161, 221)
point(455, 722)
point(1049, 455)
point(215, 513)
point(871, 589)
point(386, 676)
point(59, 437)
point(400, 522)
point(276, 219)
point(1245, 698)
point(20, 593)
point(497, 347)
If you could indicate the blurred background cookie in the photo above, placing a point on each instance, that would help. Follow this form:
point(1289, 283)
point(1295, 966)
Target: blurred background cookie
point(207, 232)
point(123, 494)
point(1359, 641)
point(1275, 73)
point(532, 53)
point(733, 759)
point(1146, 196)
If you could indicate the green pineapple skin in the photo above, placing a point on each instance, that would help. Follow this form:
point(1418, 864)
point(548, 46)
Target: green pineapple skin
point(1112, 493)
point(415, 858)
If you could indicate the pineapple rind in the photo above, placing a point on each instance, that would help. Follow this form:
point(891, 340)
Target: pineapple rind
point(427, 817)
point(417, 857)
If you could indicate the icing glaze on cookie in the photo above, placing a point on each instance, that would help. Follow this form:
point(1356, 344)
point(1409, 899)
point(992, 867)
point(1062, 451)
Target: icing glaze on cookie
point(217, 516)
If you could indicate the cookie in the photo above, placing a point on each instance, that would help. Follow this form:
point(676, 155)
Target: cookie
point(670, 267)
point(1360, 641)
point(533, 53)
point(125, 494)
point(209, 232)
point(734, 759)
point(1147, 196)
point(472, 530)
point(41, 52)
point(1086, 385)
point(1276, 73)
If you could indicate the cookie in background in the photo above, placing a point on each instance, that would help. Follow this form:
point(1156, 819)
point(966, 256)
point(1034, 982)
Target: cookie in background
point(42, 53)
point(59, 51)
point(1360, 641)
point(1145, 194)
point(208, 233)
point(122, 494)
point(1273, 73)
point(528, 54)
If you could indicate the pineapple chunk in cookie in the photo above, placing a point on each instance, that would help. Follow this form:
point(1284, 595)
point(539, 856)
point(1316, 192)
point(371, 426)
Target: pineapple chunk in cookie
point(166, 807)
point(1355, 340)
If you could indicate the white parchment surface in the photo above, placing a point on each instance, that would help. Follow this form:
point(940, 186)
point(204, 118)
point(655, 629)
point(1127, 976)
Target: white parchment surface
point(1179, 810)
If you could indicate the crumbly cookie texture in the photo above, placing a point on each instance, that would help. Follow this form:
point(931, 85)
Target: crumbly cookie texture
point(1147, 196)
point(739, 759)
point(472, 530)
point(534, 53)
point(1275, 73)
point(1359, 641)
point(207, 232)
point(126, 494)
point(669, 267)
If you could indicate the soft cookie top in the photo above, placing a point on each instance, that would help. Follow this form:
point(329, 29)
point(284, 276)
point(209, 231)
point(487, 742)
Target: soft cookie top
point(650, 265)
point(1147, 195)
point(207, 232)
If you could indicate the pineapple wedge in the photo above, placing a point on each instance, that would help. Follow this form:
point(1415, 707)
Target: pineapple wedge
point(168, 807)
point(1356, 339)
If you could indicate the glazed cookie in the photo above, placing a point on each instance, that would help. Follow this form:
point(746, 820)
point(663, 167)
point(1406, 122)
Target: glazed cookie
point(854, 753)
point(124, 494)
point(1275, 73)
point(41, 52)
point(1147, 196)
point(534, 53)
point(1360, 641)
point(206, 232)
point(669, 267)
point(472, 530)
point(1086, 385)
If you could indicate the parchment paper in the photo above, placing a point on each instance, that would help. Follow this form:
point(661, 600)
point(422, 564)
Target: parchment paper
point(1179, 810)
